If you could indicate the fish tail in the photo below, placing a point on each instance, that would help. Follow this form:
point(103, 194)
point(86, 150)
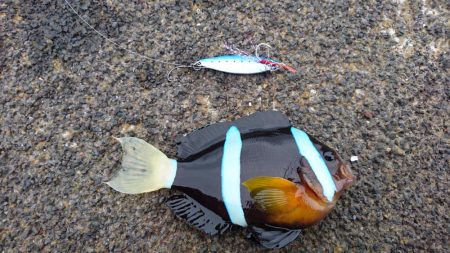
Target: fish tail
point(144, 168)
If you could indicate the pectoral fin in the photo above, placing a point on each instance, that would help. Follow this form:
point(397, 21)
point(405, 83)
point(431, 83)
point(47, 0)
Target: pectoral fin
point(272, 194)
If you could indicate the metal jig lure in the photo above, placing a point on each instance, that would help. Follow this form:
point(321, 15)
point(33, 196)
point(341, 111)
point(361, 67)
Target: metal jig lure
point(240, 62)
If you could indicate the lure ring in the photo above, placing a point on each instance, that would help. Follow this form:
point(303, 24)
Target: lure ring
point(197, 65)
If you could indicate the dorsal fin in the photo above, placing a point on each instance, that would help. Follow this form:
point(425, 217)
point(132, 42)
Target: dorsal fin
point(208, 136)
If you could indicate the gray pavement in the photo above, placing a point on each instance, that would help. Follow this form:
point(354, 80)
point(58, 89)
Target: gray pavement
point(372, 81)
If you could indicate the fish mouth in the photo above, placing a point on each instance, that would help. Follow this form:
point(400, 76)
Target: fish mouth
point(347, 174)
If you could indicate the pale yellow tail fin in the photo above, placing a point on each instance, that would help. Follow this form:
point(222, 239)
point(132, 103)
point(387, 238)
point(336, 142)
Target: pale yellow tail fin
point(144, 168)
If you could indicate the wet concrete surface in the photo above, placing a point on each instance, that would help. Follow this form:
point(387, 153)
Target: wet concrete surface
point(372, 81)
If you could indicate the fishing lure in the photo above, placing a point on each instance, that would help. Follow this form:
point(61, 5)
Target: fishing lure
point(242, 62)
point(239, 63)
point(257, 172)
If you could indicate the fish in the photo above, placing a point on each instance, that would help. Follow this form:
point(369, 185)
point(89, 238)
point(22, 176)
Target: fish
point(257, 172)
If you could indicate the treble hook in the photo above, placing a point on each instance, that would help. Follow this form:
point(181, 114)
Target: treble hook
point(274, 65)
point(257, 48)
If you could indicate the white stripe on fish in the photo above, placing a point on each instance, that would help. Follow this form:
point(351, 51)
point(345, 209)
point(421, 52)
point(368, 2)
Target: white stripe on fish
point(315, 160)
point(231, 176)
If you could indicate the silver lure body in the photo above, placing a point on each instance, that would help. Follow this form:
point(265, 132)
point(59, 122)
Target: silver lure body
point(236, 64)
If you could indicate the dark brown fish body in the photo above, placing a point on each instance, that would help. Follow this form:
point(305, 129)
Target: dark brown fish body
point(256, 172)
point(200, 177)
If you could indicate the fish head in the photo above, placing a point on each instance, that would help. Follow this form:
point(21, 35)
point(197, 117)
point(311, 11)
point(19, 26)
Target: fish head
point(340, 172)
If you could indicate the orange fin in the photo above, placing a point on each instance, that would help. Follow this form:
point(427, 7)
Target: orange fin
point(272, 194)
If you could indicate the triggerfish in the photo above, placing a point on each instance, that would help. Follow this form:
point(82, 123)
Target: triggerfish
point(257, 172)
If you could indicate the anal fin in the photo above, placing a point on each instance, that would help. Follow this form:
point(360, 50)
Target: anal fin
point(197, 215)
point(272, 237)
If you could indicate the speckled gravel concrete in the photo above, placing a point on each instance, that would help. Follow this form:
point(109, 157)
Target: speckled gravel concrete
point(373, 82)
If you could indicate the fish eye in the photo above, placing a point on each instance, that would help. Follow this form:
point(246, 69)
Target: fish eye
point(328, 156)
